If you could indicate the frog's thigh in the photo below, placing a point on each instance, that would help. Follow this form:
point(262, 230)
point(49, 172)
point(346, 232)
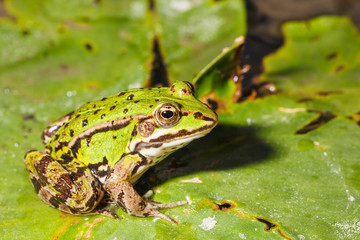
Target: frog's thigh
point(72, 191)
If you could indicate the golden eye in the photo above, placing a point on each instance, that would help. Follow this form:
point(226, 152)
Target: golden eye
point(167, 115)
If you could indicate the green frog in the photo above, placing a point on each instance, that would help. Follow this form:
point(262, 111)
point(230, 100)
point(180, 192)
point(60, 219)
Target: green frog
point(100, 150)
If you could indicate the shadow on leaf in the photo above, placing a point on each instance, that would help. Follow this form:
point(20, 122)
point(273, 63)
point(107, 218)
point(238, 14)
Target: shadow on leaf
point(226, 147)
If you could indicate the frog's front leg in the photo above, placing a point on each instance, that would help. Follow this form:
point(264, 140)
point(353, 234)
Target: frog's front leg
point(72, 190)
point(119, 185)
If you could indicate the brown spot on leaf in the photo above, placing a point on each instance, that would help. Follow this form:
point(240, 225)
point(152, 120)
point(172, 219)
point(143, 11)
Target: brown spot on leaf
point(316, 123)
point(269, 225)
point(89, 47)
point(355, 118)
point(331, 56)
point(64, 66)
point(224, 206)
point(339, 68)
point(27, 117)
point(326, 93)
point(25, 32)
point(305, 99)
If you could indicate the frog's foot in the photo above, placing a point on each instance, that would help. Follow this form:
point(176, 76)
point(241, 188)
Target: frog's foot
point(72, 190)
point(153, 207)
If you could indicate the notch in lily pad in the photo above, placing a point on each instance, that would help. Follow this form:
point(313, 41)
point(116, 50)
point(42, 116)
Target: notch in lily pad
point(158, 68)
point(223, 80)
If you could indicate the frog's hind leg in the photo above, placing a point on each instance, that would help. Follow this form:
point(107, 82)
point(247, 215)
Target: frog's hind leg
point(73, 191)
point(54, 127)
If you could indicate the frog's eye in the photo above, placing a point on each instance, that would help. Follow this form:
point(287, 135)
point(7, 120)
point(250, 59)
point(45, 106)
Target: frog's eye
point(167, 115)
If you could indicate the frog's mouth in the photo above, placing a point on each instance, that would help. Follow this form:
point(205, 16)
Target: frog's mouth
point(184, 134)
point(169, 142)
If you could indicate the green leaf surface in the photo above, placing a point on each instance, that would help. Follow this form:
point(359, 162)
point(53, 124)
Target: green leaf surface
point(253, 177)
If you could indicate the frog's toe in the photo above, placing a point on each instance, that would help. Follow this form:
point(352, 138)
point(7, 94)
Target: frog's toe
point(154, 207)
point(167, 218)
point(167, 205)
point(107, 213)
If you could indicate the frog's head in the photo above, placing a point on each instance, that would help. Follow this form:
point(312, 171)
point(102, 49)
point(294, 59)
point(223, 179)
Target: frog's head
point(177, 119)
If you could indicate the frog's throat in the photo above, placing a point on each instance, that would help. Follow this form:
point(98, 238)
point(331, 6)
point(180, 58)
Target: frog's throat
point(159, 148)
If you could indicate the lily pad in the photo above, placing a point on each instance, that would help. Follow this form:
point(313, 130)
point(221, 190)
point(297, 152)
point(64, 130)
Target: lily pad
point(303, 173)
point(284, 166)
point(55, 56)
